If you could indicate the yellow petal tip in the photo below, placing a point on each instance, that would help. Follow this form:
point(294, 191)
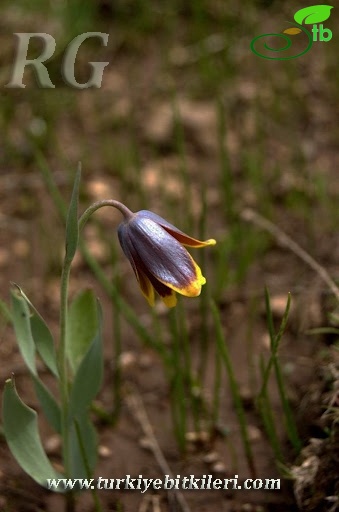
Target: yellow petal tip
point(170, 300)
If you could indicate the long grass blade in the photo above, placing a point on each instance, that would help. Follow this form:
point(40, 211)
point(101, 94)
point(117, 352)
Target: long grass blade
point(239, 408)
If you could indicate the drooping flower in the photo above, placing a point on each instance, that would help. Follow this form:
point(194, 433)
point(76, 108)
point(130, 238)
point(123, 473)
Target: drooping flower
point(155, 249)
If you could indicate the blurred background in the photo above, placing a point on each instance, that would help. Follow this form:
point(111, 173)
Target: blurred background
point(191, 124)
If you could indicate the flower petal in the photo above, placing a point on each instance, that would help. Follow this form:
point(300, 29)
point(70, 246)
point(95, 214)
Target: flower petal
point(175, 232)
point(147, 282)
point(144, 282)
point(170, 300)
point(163, 256)
point(167, 295)
point(146, 287)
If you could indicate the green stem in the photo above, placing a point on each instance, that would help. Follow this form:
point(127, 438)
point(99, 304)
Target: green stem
point(99, 204)
point(178, 397)
point(62, 356)
point(82, 446)
point(62, 363)
point(117, 348)
point(122, 306)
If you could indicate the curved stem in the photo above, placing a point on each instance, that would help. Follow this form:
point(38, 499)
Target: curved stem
point(127, 213)
point(62, 356)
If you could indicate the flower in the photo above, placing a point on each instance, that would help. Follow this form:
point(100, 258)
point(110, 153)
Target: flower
point(155, 249)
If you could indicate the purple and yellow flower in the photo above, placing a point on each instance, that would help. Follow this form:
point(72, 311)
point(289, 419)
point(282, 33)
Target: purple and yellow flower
point(155, 249)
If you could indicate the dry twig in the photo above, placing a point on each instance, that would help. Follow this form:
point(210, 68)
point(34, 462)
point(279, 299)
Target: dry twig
point(137, 408)
point(285, 241)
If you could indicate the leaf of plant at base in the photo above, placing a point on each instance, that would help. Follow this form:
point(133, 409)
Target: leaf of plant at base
point(82, 327)
point(42, 336)
point(44, 342)
point(22, 435)
point(83, 447)
point(313, 14)
point(88, 378)
point(72, 228)
point(48, 403)
point(22, 327)
point(292, 31)
point(22, 321)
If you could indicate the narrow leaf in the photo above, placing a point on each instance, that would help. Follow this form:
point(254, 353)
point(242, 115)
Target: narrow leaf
point(81, 327)
point(238, 405)
point(266, 412)
point(22, 435)
point(270, 323)
point(22, 321)
point(22, 326)
point(44, 342)
point(42, 336)
point(49, 405)
point(72, 230)
point(87, 380)
point(84, 447)
point(291, 427)
point(274, 338)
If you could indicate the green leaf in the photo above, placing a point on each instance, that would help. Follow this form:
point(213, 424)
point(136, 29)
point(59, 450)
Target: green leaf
point(82, 326)
point(313, 14)
point(84, 447)
point(44, 342)
point(48, 403)
point(273, 361)
point(42, 336)
point(72, 229)
point(88, 378)
point(22, 321)
point(22, 435)
point(86, 384)
point(223, 352)
point(22, 326)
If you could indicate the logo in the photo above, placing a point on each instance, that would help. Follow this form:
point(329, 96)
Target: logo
point(314, 15)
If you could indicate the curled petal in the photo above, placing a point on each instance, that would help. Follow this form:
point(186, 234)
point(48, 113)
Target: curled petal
point(175, 232)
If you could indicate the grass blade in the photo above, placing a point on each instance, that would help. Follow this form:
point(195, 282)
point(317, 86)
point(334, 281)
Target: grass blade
point(224, 354)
